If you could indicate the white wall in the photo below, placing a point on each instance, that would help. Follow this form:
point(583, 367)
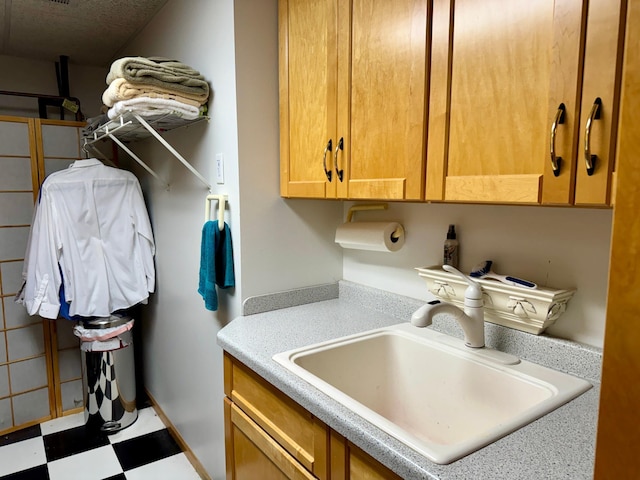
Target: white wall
point(39, 76)
point(285, 243)
point(278, 245)
point(182, 364)
point(554, 247)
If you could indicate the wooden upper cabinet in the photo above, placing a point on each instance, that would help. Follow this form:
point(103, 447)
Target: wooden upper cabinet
point(601, 84)
point(503, 73)
point(493, 93)
point(308, 87)
point(353, 79)
point(382, 98)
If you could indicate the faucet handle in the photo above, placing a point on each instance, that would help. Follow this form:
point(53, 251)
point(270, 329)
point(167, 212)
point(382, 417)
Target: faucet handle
point(473, 291)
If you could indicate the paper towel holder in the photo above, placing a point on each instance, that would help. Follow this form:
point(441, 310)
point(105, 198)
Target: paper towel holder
point(395, 235)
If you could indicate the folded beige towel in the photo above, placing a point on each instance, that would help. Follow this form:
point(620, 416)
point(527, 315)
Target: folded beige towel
point(148, 107)
point(120, 89)
point(159, 72)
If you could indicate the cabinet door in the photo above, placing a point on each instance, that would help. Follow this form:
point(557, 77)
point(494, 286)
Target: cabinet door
point(381, 98)
point(308, 69)
point(498, 78)
point(600, 101)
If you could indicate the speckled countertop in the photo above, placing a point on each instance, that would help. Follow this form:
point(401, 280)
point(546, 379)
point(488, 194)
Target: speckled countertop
point(559, 445)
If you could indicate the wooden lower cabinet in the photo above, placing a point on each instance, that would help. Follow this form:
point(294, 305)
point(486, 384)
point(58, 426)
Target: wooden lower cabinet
point(270, 437)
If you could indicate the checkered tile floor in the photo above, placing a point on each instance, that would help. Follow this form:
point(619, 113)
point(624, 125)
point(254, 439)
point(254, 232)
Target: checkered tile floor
point(64, 449)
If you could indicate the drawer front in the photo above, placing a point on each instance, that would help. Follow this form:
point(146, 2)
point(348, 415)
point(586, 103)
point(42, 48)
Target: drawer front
point(257, 455)
point(296, 430)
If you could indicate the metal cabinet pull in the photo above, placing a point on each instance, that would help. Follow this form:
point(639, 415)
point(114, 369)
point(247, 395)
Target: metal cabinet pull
point(339, 147)
point(590, 160)
point(556, 162)
point(324, 159)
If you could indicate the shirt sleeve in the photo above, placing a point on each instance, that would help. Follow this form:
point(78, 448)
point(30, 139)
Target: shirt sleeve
point(20, 297)
point(41, 272)
point(144, 236)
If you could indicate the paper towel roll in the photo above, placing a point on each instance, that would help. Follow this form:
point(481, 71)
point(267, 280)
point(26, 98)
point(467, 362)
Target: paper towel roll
point(370, 236)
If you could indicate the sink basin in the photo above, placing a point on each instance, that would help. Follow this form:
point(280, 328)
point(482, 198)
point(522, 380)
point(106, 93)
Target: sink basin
point(430, 391)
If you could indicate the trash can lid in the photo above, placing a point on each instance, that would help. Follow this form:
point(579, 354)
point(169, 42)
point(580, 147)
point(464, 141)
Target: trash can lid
point(105, 322)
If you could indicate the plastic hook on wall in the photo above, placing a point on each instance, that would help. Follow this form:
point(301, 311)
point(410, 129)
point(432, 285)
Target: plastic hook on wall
point(221, 208)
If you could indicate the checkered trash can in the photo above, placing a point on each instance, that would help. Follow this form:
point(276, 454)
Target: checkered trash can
point(108, 379)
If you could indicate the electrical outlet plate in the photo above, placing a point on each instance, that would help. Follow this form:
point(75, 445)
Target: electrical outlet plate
point(219, 168)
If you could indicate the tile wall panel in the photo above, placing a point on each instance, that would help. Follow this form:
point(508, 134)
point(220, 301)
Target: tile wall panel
point(69, 364)
point(5, 414)
point(14, 138)
point(56, 164)
point(60, 141)
point(11, 274)
point(25, 342)
point(4, 381)
point(15, 314)
point(16, 208)
point(28, 375)
point(16, 173)
point(30, 406)
point(13, 242)
point(3, 348)
point(66, 338)
point(72, 395)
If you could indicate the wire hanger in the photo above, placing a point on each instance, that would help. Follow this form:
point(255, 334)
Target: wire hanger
point(85, 149)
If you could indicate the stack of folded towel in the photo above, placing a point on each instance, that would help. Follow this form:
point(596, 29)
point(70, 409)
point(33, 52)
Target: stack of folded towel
point(155, 86)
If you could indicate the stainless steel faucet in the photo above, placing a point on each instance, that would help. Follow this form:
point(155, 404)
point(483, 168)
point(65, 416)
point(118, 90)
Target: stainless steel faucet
point(471, 320)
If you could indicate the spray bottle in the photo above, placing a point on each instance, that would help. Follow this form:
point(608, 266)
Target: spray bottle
point(451, 248)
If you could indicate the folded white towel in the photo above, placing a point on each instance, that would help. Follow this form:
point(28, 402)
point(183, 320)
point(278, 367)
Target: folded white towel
point(120, 89)
point(148, 107)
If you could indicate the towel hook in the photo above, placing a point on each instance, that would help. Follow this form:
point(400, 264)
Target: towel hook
point(221, 207)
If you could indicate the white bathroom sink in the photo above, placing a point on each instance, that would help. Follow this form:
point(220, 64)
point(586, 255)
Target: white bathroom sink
point(428, 390)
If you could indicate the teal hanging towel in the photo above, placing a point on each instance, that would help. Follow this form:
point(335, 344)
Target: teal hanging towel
point(216, 263)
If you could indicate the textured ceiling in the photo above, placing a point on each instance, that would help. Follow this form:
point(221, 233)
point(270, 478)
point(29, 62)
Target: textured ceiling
point(89, 32)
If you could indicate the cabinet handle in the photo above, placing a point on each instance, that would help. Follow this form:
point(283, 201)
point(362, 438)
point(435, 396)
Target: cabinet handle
point(556, 162)
point(590, 160)
point(324, 159)
point(339, 147)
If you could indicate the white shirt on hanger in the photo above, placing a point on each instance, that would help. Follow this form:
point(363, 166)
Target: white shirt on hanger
point(91, 223)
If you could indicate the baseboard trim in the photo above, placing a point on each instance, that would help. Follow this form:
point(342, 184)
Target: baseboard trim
point(178, 438)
